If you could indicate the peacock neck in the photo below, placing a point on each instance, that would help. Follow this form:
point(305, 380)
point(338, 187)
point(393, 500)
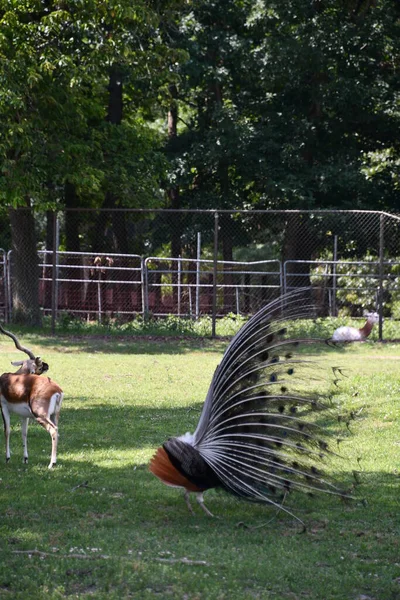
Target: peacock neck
point(366, 330)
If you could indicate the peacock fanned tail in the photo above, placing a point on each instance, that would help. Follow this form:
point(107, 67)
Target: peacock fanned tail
point(266, 428)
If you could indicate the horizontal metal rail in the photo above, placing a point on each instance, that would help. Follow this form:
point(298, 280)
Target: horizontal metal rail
point(159, 282)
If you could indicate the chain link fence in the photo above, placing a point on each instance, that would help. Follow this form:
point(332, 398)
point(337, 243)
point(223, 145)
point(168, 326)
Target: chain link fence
point(118, 264)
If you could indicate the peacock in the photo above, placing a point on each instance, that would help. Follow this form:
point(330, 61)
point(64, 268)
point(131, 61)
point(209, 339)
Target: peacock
point(259, 436)
point(352, 334)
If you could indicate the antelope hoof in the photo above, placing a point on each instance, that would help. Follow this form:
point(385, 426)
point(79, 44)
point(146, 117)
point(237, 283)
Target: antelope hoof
point(51, 465)
point(8, 459)
point(25, 460)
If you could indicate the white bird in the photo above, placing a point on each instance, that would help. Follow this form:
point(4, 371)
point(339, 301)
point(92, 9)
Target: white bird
point(352, 334)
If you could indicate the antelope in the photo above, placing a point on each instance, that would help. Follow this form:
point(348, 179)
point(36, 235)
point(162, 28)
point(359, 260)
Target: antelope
point(30, 396)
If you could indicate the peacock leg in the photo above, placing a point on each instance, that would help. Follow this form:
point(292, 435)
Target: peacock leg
point(200, 500)
point(188, 502)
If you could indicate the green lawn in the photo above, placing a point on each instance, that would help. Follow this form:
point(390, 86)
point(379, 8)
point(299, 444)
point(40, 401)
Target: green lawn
point(107, 528)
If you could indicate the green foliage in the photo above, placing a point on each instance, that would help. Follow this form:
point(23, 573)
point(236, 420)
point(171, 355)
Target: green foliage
point(358, 284)
point(175, 327)
point(282, 104)
point(167, 326)
point(293, 106)
point(56, 65)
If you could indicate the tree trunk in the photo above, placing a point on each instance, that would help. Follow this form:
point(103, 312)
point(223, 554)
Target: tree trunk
point(118, 220)
point(227, 255)
point(300, 244)
point(173, 193)
point(72, 294)
point(25, 268)
point(48, 260)
point(72, 218)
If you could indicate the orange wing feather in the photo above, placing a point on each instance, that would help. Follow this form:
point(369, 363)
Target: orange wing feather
point(161, 467)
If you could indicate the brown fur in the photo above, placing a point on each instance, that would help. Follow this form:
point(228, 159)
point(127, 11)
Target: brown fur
point(366, 330)
point(18, 388)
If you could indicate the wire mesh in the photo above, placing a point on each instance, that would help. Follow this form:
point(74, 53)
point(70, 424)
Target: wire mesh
point(185, 287)
point(93, 285)
point(189, 263)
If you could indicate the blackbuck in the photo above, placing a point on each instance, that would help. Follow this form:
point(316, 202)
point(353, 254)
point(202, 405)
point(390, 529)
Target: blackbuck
point(30, 396)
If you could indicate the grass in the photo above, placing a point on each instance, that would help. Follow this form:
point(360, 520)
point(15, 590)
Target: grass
point(178, 326)
point(109, 529)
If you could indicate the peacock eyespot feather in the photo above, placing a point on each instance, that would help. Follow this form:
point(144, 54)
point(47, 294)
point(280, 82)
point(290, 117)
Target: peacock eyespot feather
point(293, 409)
point(283, 389)
point(282, 331)
point(289, 355)
point(273, 377)
point(281, 408)
point(274, 360)
point(290, 371)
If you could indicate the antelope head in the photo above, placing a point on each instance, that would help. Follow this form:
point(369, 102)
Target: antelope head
point(34, 366)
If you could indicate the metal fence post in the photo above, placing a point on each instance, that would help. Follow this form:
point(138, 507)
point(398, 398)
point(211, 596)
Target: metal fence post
point(198, 275)
point(142, 283)
point(145, 288)
point(179, 285)
point(215, 273)
point(381, 272)
point(54, 290)
point(335, 255)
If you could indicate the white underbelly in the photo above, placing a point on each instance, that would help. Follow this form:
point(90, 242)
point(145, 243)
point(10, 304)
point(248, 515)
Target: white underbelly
point(18, 408)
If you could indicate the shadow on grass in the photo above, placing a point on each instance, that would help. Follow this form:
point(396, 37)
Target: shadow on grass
point(129, 426)
point(103, 429)
point(96, 443)
point(76, 486)
point(151, 345)
point(133, 530)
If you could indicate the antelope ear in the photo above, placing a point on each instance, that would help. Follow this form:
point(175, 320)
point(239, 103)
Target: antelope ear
point(17, 363)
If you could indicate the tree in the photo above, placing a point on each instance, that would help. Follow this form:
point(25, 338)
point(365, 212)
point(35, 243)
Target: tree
point(288, 105)
point(57, 145)
point(25, 261)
